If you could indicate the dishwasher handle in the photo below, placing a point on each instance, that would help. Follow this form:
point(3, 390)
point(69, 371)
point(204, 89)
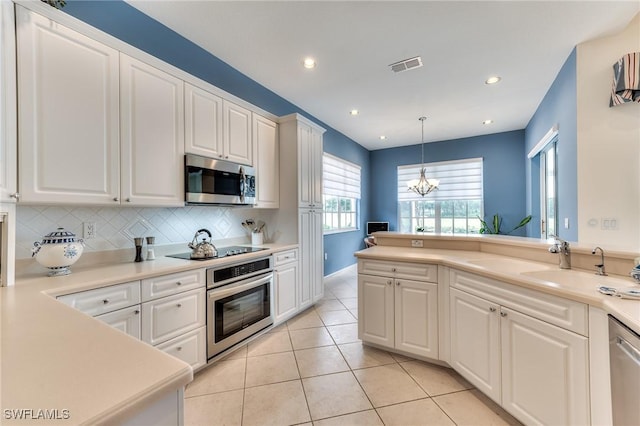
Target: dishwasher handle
point(628, 348)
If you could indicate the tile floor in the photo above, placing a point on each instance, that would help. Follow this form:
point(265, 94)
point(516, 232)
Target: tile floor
point(314, 370)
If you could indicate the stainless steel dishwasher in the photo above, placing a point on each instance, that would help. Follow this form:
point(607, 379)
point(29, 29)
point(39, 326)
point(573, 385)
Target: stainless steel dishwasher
point(624, 347)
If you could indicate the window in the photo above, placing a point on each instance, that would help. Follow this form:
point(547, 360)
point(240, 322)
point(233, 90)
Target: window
point(548, 198)
point(455, 208)
point(340, 194)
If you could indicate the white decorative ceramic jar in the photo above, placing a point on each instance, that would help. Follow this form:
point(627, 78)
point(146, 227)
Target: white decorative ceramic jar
point(57, 251)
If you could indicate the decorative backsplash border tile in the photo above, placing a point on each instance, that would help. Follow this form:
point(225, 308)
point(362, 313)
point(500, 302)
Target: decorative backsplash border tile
point(117, 226)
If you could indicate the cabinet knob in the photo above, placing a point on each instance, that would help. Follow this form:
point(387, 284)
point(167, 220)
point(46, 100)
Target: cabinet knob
point(179, 348)
point(393, 269)
point(178, 283)
point(389, 282)
point(220, 155)
point(397, 283)
point(115, 199)
point(128, 200)
point(179, 305)
point(492, 309)
point(15, 195)
point(105, 301)
point(136, 312)
point(503, 314)
point(226, 156)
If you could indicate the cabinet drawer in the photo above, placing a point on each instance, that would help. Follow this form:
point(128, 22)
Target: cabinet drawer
point(105, 299)
point(283, 257)
point(556, 310)
point(172, 316)
point(411, 271)
point(166, 285)
point(190, 347)
point(126, 320)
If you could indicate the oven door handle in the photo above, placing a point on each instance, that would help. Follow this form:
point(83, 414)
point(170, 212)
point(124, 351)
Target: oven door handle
point(228, 290)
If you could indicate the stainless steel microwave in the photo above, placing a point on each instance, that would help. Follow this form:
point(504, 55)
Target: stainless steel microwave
point(209, 181)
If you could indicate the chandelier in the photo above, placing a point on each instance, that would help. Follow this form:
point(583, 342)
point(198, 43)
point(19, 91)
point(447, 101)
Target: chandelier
point(423, 185)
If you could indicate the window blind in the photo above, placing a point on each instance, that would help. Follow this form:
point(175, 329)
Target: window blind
point(340, 177)
point(459, 180)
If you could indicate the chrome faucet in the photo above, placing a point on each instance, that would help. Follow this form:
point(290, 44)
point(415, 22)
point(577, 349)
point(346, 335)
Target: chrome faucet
point(600, 267)
point(562, 248)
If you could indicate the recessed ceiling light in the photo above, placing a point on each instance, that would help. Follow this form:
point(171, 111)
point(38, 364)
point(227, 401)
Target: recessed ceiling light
point(309, 63)
point(492, 80)
point(383, 138)
point(487, 122)
point(354, 112)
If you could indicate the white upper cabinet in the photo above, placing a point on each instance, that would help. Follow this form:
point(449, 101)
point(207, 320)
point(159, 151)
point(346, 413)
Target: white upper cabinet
point(203, 122)
point(68, 114)
point(152, 120)
point(236, 133)
point(8, 119)
point(217, 128)
point(267, 159)
point(309, 167)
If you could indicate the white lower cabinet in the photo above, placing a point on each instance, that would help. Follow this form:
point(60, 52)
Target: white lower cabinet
point(286, 285)
point(399, 313)
point(311, 257)
point(191, 347)
point(126, 320)
point(537, 371)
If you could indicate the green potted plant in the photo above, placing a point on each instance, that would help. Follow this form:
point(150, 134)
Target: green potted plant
point(486, 228)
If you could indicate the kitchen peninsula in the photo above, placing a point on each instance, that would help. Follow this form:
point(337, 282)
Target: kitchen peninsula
point(500, 312)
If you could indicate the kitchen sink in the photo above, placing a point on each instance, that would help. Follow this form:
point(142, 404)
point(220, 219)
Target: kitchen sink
point(510, 266)
point(573, 277)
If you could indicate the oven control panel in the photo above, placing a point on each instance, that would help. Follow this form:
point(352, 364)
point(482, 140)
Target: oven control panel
point(220, 276)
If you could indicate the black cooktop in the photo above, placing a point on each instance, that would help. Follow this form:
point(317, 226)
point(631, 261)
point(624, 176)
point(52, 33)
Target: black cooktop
point(222, 252)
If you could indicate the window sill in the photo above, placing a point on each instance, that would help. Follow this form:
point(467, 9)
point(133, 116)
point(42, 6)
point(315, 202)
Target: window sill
point(340, 231)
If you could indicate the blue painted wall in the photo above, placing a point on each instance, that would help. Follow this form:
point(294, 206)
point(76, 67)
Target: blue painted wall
point(504, 177)
point(559, 106)
point(128, 24)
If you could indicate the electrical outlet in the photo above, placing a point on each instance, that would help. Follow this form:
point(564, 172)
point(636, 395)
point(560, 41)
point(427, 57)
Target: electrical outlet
point(325, 256)
point(609, 223)
point(89, 230)
point(417, 243)
point(566, 223)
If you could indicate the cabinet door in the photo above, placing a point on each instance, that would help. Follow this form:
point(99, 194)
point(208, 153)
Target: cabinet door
point(316, 167)
point(152, 123)
point(305, 166)
point(416, 318)
point(68, 114)
point(305, 239)
point(267, 159)
point(317, 256)
point(545, 371)
point(237, 133)
point(286, 280)
point(475, 341)
point(172, 316)
point(8, 117)
point(126, 320)
point(203, 122)
point(376, 310)
point(190, 347)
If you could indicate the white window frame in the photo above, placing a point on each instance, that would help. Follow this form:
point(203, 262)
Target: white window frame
point(341, 180)
point(442, 170)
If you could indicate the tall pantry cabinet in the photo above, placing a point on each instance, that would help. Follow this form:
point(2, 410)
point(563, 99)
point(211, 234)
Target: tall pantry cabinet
point(301, 191)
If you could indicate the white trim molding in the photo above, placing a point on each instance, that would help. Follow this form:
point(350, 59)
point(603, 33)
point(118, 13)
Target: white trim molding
point(548, 137)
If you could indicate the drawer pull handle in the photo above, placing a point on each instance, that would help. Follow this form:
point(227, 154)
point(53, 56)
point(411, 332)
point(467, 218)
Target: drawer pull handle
point(179, 305)
point(136, 312)
point(503, 314)
point(179, 348)
point(105, 301)
point(492, 309)
point(178, 283)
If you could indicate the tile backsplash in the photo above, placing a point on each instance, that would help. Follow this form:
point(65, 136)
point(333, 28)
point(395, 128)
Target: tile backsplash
point(117, 226)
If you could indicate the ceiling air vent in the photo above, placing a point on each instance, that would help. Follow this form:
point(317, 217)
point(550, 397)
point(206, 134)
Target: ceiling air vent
point(407, 64)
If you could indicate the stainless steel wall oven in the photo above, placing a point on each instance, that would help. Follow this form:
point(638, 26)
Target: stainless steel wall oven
point(238, 303)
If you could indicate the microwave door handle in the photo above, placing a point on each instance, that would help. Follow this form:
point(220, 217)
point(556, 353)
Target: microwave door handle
point(243, 184)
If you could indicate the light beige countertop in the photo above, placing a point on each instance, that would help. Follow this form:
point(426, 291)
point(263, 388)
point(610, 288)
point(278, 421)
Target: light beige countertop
point(575, 284)
point(55, 357)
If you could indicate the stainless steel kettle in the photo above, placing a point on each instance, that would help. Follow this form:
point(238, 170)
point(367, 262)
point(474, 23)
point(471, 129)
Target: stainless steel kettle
point(203, 249)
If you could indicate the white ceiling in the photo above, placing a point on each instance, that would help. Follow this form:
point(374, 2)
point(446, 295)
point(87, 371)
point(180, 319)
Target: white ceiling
point(461, 44)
